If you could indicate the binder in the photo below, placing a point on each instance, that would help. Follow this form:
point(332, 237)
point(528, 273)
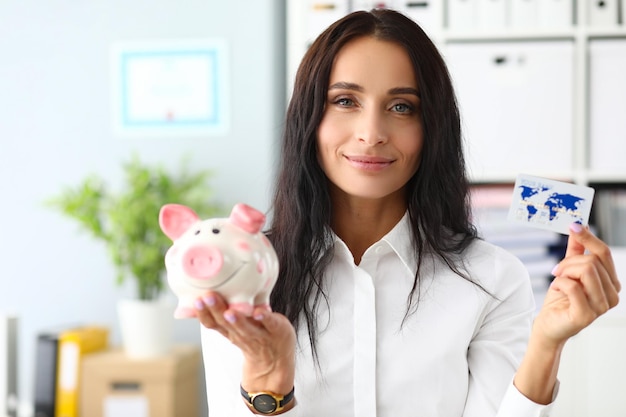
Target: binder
point(523, 13)
point(603, 13)
point(555, 14)
point(8, 365)
point(73, 344)
point(46, 352)
point(610, 216)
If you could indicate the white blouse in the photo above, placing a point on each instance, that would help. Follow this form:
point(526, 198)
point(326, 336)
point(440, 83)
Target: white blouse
point(454, 356)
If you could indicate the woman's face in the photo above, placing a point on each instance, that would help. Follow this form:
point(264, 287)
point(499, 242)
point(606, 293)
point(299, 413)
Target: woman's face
point(370, 137)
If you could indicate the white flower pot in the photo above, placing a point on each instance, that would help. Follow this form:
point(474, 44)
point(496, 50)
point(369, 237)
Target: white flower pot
point(146, 327)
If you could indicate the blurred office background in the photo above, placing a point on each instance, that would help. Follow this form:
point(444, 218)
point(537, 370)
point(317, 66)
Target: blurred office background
point(533, 100)
point(56, 127)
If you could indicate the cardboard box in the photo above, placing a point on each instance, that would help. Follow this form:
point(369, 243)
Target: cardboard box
point(114, 385)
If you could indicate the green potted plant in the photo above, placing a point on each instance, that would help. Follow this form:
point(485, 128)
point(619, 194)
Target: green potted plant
point(126, 220)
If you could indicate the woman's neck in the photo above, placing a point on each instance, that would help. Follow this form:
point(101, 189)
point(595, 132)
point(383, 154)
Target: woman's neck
point(362, 222)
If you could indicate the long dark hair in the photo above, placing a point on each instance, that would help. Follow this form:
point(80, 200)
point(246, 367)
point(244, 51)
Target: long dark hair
point(437, 195)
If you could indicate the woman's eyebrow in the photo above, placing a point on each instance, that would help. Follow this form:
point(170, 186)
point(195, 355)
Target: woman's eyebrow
point(344, 85)
point(405, 90)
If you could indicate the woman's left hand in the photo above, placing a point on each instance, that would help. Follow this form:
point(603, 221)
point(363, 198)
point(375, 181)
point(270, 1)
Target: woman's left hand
point(266, 339)
point(585, 287)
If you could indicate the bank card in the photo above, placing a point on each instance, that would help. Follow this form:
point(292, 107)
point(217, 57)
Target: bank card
point(549, 204)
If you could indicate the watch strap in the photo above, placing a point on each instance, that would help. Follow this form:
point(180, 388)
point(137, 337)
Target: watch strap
point(280, 400)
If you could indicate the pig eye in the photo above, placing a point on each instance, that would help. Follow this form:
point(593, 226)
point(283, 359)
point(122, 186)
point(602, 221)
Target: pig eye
point(215, 231)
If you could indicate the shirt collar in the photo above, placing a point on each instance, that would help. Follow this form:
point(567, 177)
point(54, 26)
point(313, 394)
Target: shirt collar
point(399, 240)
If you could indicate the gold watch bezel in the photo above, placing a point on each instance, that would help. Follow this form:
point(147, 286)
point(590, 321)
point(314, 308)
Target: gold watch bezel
point(252, 398)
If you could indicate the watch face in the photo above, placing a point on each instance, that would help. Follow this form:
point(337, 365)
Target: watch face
point(264, 403)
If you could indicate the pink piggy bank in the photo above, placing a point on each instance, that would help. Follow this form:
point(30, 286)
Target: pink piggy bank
point(227, 255)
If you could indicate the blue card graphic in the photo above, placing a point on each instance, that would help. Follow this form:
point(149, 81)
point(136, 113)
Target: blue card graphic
point(549, 204)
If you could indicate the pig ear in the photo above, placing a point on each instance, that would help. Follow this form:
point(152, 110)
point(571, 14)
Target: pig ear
point(175, 219)
point(247, 218)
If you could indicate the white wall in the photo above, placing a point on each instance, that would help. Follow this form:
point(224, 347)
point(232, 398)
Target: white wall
point(55, 128)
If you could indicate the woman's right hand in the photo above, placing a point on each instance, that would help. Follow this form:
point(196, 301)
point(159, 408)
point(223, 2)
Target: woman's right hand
point(267, 340)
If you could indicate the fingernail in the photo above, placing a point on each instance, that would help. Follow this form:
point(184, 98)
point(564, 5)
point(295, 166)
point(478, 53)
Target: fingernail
point(230, 317)
point(576, 227)
point(554, 269)
point(209, 300)
point(199, 304)
point(258, 317)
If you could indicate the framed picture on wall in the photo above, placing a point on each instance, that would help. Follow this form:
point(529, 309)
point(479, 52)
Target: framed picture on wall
point(170, 88)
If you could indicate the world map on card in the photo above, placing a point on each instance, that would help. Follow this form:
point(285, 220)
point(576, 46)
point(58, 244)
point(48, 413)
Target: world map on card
point(555, 203)
point(550, 204)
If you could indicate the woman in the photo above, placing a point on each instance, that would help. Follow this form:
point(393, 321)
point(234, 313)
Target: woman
point(387, 303)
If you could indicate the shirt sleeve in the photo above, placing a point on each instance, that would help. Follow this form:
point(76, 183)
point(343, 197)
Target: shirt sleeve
point(500, 341)
point(515, 404)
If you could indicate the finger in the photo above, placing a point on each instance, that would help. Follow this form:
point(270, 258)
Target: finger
point(591, 282)
point(203, 314)
point(580, 312)
point(577, 267)
point(581, 239)
point(574, 245)
point(210, 310)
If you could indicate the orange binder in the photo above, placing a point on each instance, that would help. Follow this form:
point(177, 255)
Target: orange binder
point(73, 344)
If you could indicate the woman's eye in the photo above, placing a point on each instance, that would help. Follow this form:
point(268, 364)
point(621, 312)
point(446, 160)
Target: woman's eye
point(402, 108)
point(344, 102)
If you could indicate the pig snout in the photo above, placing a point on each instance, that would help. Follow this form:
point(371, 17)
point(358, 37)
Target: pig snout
point(202, 262)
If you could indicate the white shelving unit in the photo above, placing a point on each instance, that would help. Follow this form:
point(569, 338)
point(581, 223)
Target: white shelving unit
point(580, 35)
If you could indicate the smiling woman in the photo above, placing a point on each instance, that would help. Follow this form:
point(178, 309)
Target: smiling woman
point(387, 304)
point(370, 138)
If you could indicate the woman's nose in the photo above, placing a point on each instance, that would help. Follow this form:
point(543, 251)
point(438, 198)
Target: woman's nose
point(371, 129)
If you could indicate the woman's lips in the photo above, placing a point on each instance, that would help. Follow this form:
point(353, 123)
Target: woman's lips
point(368, 163)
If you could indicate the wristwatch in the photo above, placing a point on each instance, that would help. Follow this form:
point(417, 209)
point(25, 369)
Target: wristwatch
point(266, 402)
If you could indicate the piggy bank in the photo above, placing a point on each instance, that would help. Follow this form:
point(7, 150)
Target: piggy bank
point(227, 255)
